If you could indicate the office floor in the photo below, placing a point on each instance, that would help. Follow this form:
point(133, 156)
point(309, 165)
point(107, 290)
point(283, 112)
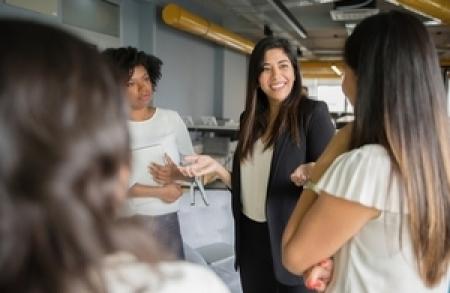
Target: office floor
point(208, 234)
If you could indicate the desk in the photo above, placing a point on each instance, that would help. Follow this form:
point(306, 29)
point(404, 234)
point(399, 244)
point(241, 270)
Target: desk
point(222, 130)
point(216, 184)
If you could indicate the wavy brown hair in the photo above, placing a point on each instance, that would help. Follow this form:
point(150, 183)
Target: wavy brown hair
point(401, 104)
point(254, 120)
point(63, 143)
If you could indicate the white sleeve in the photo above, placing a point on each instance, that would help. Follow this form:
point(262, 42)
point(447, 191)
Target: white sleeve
point(183, 139)
point(365, 176)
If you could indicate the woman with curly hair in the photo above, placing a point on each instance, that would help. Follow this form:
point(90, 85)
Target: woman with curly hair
point(64, 165)
point(150, 127)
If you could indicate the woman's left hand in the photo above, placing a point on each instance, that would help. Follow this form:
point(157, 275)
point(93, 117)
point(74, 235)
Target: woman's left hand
point(164, 174)
point(302, 174)
point(317, 277)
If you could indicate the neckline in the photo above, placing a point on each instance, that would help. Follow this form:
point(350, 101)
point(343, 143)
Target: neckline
point(145, 120)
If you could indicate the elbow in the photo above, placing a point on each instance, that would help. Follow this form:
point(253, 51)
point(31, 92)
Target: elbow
point(131, 192)
point(293, 260)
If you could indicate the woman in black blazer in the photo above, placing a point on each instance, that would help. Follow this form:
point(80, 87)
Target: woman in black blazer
point(280, 130)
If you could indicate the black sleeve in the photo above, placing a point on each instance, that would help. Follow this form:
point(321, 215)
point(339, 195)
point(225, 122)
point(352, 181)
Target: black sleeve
point(320, 131)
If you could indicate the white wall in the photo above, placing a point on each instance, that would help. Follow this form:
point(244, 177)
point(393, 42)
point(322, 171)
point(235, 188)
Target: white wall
point(188, 72)
point(102, 41)
point(129, 23)
point(234, 84)
point(199, 77)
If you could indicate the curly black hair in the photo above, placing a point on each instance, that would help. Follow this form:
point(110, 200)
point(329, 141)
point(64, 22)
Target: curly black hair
point(125, 59)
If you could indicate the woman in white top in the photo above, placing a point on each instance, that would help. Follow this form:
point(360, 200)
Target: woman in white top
point(383, 208)
point(157, 136)
point(64, 158)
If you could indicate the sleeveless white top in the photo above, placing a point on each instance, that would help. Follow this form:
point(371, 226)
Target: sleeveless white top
point(373, 260)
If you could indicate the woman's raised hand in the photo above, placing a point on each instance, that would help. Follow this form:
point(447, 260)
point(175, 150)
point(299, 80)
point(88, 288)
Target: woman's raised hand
point(302, 174)
point(199, 165)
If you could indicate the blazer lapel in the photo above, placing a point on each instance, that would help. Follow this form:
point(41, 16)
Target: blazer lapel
point(276, 156)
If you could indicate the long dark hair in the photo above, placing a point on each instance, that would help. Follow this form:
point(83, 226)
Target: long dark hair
point(254, 120)
point(401, 105)
point(63, 143)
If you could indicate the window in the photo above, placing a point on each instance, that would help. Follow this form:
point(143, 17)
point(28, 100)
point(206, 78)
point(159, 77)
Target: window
point(335, 98)
point(96, 15)
point(49, 7)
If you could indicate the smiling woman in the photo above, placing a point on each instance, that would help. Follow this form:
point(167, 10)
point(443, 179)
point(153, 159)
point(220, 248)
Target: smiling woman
point(277, 77)
point(280, 130)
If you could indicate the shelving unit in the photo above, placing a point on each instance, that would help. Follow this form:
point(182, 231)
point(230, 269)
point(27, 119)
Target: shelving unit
point(219, 142)
point(220, 130)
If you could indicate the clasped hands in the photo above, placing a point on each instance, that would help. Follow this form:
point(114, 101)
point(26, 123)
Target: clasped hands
point(166, 175)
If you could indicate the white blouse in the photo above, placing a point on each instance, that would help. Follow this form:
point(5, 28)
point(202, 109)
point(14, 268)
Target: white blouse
point(255, 173)
point(373, 261)
point(164, 132)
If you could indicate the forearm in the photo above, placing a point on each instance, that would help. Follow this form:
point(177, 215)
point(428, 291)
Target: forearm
point(140, 190)
point(306, 200)
point(338, 145)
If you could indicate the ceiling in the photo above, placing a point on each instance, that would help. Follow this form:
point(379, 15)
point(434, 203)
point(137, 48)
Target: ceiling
point(325, 36)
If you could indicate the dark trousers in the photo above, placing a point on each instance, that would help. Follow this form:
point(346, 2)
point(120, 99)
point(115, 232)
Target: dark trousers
point(166, 230)
point(255, 263)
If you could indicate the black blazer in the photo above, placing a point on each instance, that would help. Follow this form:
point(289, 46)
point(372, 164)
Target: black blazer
point(316, 130)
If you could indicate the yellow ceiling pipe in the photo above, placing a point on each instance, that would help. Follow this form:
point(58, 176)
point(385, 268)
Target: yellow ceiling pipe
point(175, 16)
point(445, 62)
point(321, 69)
point(330, 75)
point(439, 9)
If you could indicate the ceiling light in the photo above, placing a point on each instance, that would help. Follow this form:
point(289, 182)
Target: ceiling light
point(336, 70)
point(432, 22)
point(353, 10)
point(352, 14)
point(324, 1)
point(288, 17)
point(349, 27)
point(393, 2)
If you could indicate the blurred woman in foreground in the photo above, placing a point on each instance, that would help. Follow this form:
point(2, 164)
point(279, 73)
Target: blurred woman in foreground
point(64, 157)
